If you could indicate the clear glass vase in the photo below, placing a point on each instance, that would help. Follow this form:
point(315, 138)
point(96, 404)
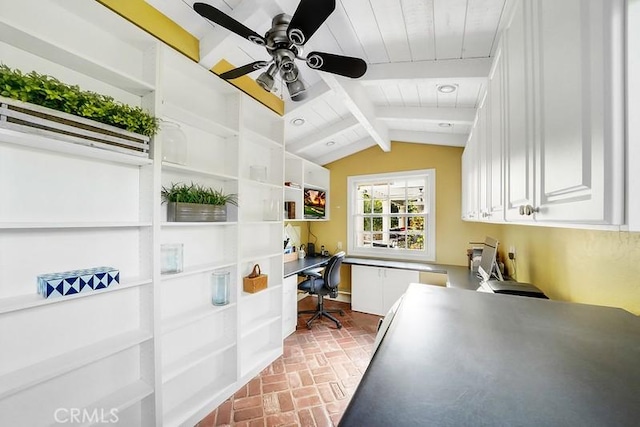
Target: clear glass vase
point(220, 287)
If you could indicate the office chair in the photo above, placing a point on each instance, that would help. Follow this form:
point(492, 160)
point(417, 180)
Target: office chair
point(323, 283)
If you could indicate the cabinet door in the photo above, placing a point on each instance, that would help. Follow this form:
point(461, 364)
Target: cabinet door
point(483, 159)
point(395, 283)
point(366, 290)
point(519, 147)
point(289, 305)
point(470, 178)
point(495, 135)
point(579, 111)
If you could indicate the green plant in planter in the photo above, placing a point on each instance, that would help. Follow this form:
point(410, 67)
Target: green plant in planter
point(49, 92)
point(194, 193)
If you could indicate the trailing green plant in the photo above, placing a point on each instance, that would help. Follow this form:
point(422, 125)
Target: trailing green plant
point(49, 92)
point(195, 193)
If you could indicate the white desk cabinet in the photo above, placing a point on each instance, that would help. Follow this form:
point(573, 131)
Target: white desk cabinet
point(375, 289)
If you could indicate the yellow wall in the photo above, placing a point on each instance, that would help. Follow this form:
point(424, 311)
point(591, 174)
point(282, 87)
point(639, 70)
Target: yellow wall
point(586, 266)
point(452, 234)
point(594, 267)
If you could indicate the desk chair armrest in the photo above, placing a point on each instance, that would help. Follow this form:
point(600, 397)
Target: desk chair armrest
point(313, 272)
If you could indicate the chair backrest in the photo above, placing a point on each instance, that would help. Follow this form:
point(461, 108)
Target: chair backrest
point(332, 271)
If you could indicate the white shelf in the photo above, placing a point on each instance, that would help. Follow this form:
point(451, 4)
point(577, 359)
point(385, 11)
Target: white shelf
point(23, 302)
point(269, 352)
point(213, 394)
point(122, 399)
point(261, 184)
point(197, 224)
point(270, 288)
point(180, 320)
point(79, 224)
point(22, 379)
point(266, 222)
point(180, 114)
point(168, 166)
point(197, 269)
point(255, 137)
point(28, 41)
point(260, 323)
point(192, 359)
point(253, 257)
point(39, 142)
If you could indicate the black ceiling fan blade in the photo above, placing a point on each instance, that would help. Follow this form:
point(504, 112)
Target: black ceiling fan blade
point(241, 71)
point(347, 66)
point(307, 18)
point(224, 20)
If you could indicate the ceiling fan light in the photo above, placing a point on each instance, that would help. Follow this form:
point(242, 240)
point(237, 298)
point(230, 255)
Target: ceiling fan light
point(290, 76)
point(297, 91)
point(265, 80)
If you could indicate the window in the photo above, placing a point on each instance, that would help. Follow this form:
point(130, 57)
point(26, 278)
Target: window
point(392, 215)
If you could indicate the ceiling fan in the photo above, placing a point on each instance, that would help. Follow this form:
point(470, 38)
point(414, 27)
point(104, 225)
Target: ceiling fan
point(285, 42)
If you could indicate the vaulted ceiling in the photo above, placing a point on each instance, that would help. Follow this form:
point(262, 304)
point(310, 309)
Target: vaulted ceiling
point(411, 48)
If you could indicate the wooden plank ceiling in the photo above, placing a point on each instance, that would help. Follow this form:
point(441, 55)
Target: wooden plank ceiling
point(411, 47)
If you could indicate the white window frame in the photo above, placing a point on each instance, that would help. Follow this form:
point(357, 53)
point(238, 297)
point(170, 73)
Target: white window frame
point(429, 252)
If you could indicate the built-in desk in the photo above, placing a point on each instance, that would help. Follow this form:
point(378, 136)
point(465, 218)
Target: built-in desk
point(457, 276)
point(376, 283)
point(292, 268)
point(457, 358)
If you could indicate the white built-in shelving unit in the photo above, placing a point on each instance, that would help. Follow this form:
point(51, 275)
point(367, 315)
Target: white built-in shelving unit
point(153, 348)
point(68, 206)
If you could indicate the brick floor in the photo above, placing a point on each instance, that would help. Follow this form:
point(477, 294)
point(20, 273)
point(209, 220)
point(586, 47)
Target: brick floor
point(312, 382)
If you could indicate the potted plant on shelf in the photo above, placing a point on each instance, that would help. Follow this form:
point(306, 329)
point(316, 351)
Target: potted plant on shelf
point(41, 104)
point(196, 203)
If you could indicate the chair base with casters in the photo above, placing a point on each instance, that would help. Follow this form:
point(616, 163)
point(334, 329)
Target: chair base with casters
point(322, 284)
point(320, 311)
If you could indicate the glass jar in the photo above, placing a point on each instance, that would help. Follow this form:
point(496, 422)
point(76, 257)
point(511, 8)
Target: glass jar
point(174, 143)
point(220, 287)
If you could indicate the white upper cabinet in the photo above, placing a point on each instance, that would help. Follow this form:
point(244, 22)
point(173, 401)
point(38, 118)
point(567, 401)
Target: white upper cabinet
point(495, 139)
point(518, 117)
point(633, 110)
point(549, 137)
point(579, 122)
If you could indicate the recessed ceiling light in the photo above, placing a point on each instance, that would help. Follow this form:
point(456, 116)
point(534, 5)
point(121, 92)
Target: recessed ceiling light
point(447, 88)
point(330, 143)
point(298, 121)
point(445, 125)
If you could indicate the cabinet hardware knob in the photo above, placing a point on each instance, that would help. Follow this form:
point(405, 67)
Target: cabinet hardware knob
point(528, 210)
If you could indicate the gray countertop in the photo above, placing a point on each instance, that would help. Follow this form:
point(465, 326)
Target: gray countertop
point(456, 358)
point(458, 276)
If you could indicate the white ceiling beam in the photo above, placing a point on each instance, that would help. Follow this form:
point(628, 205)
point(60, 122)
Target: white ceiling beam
point(344, 151)
point(444, 71)
point(435, 138)
point(326, 134)
point(359, 104)
point(427, 114)
point(315, 93)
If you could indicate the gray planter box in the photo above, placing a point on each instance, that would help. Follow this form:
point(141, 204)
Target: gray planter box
point(193, 212)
